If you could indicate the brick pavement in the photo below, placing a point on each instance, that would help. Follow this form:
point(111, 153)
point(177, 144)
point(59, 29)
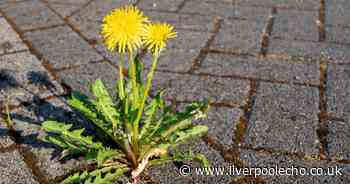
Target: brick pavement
point(277, 72)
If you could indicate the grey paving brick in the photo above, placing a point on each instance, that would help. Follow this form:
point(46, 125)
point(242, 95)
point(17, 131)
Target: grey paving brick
point(338, 140)
point(225, 10)
point(10, 41)
point(337, 34)
point(80, 78)
point(221, 121)
point(14, 170)
point(335, 52)
point(337, 12)
point(23, 77)
point(183, 21)
point(294, 4)
point(261, 68)
point(65, 10)
point(184, 87)
point(27, 122)
point(238, 34)
point(178, 60)
point(327, 175)
point(294, 24)
point(62, 47)
point(338, 91)
point(160, 5)
point(188, 40)
point(89, 19)
point(284, 118)
point(173, 174)
point(31, 14)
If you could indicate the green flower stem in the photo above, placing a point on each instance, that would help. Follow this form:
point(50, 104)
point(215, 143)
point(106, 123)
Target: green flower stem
point(121, 76)
point(133, 79)
point(145, 94)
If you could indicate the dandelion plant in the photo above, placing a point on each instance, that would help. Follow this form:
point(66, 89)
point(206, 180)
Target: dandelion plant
point(138, 129)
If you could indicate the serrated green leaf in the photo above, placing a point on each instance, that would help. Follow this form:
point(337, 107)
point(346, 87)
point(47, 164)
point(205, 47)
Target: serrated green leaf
point(84, 105)
point(106, 154)
point(71, 140)
point(104, 104)
point(193, 132)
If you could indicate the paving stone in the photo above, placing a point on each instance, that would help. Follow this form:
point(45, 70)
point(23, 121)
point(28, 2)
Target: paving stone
point(14, 170)
point(192, 87)
point(285, 117)
point(10, 41)
point(5, 138)
point(338, 140)
point(177, 60)
point(294, 4)
point(65, 10)
point(183, 21)
point(294, 24)
point(23, 77)
point(62, 47)
point(188, 40)
point(160, 5)
point(338, 34)
point(67, 7)
point(27, 122)
point(80, 78)
point(338, 91)
point(238, 34)
point(89, 19)
point(172, 174)
point(337, 12)
point(31, 14)
point(335, 52)
point(225, 10)
point(327, 175)
point(221, 121)
point(267, 69)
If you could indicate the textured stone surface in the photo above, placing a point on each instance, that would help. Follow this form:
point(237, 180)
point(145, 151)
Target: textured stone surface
point(261, 68)
point(160, 5)
point(192, 87)
point(80, 78)
point(31, 14)
point(338, 34)
point(188, 40)
point(338, 91)
point(62, 47)
point(183, 21)
point(222, 122)
point(294, 4)
point(10, 41)
point(262, 160)
point(225, 10)
point(24, 77)
point(14, 170)
point(335, 52)
point(294, 24)
point(289, 109)
point(178, 60)
point(339, 139)
point(27, 121)
point(337, 12)
point(241, 35)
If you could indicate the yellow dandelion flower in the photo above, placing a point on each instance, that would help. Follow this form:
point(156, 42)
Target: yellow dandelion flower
point(122, 29)
point(157, 35)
